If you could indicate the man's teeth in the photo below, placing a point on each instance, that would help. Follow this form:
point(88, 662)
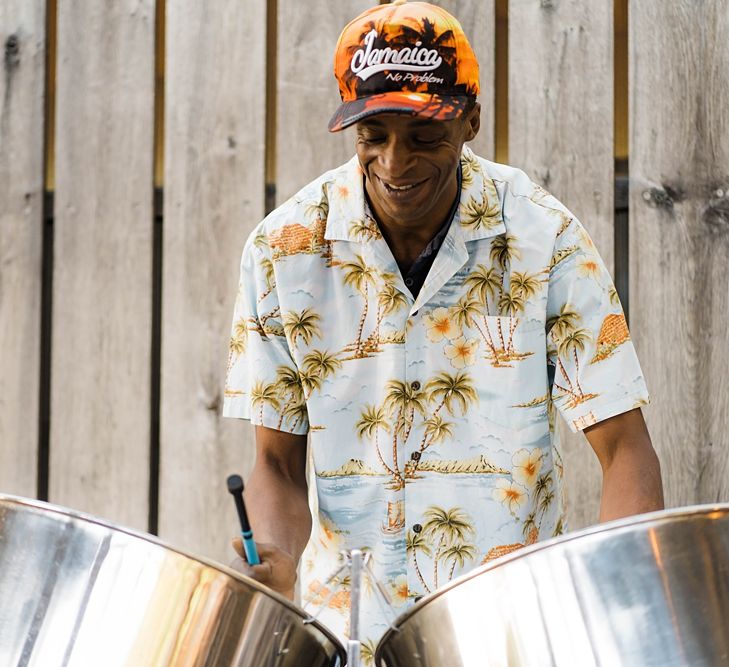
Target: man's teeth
point(402, 187)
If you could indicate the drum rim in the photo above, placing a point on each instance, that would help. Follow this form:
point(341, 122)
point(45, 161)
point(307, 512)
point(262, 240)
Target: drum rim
point(9, 500)
point(654, 518)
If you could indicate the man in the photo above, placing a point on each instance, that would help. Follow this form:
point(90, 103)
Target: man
point(422, 313)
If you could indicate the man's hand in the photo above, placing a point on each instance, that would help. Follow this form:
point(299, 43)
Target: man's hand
point(277, 569)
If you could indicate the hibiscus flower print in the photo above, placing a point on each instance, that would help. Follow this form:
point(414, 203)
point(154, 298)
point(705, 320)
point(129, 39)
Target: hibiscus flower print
point(399, 590)
point(526, 466)
point(510, 494)
point(588, 267)
point(440, 325)
point(462, 351)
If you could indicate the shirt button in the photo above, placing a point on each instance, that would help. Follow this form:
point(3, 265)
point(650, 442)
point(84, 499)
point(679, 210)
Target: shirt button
point(415, 385)
point(415, 456)
point(417, 528)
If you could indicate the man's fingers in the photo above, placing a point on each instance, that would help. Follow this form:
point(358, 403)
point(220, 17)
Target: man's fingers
point(260, 572)
point(239, 565)
point(240, 550)
point(265, 550)
point(238, 546)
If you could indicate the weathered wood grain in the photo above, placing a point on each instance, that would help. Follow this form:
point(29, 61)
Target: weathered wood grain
point(307, 93)
point(22, 35)
point(561, 134)
point(102, 291)
point(679, 237)
point(214, 196)
point(478, 18)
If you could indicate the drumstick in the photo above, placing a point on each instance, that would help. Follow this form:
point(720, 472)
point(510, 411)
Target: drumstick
point(235, 486)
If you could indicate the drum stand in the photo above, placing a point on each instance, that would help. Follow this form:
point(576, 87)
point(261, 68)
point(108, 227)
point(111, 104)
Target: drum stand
point(357, 564)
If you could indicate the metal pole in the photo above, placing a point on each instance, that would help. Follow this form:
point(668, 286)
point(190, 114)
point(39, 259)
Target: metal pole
point(354, 643)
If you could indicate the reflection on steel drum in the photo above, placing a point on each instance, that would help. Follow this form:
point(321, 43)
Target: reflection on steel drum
point(648, 591)
point(77, 591)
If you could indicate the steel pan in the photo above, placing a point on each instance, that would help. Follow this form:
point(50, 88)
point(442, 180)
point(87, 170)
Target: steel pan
point(648, 591)
point(78, 592)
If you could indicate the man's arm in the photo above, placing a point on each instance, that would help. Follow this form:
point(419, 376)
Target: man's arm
point(630, 468)
point(278, 508)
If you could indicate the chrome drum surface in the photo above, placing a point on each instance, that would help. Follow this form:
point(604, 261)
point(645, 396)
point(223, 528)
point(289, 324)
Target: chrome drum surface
point(651, 590)
point(78, 592)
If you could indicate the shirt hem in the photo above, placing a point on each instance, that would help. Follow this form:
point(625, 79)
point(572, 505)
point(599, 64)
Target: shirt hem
point(607, 410)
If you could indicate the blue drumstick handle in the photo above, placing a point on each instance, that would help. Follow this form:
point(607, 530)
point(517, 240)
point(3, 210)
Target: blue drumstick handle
point(249, 546)
point(235, 486)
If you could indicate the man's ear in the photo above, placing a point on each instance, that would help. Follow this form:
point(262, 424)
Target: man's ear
point(473, 122)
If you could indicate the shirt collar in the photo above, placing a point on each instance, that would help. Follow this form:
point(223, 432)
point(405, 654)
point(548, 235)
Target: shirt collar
point(479, 204)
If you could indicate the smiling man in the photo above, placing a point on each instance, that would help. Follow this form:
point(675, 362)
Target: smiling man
point(423, 314)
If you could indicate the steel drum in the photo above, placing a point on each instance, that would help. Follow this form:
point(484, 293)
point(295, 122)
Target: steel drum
point(75, 591)
point(651, 590)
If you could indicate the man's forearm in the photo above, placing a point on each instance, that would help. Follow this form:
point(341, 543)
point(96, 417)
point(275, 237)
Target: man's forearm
point(631, 472)
point(631, 483)
point(278, 509)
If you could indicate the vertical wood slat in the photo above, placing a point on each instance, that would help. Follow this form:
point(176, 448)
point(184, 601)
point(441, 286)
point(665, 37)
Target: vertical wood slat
point(214, 196)
point(22, 35)
point(102, 290)
point(307, 93)
point(561, 134)
point(478, 18)
point(679, 236)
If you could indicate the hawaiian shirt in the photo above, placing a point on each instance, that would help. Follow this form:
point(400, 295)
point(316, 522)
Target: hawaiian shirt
point(431, 419)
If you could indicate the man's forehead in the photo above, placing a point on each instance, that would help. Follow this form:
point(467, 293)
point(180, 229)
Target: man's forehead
point(385, 120)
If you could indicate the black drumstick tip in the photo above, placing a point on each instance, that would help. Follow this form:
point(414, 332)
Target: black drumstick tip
point(235, 484)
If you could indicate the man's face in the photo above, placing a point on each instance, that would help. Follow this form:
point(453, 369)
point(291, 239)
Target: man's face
point(410, 164)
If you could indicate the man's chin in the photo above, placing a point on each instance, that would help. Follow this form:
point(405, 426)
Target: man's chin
point(407, 209)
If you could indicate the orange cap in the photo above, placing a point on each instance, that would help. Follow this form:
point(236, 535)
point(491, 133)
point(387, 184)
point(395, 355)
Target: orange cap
point(403, 57)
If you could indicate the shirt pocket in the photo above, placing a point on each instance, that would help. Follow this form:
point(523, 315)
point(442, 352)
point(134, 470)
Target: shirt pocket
point(513, 377)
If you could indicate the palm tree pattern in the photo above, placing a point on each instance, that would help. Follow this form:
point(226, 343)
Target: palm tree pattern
point(431, 420)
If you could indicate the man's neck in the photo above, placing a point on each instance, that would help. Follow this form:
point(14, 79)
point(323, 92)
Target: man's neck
point(407, 242)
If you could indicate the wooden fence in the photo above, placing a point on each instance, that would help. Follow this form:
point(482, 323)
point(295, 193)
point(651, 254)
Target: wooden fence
point(140, 141)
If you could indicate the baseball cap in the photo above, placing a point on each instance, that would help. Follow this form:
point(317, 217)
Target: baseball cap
point(403, 57)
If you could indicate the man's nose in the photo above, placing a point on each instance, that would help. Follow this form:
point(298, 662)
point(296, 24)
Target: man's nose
point(395, 158)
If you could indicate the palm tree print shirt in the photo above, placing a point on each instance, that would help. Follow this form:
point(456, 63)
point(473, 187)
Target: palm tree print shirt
point(431, 419)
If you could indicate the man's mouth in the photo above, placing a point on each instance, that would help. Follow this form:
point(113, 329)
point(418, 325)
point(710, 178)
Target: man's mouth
point(402, 187)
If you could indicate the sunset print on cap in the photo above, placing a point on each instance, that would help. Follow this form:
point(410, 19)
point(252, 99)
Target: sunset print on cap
point(410, 57)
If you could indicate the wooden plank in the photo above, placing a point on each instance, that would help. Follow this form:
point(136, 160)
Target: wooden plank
point(307, 93)
point(22, 31)
point(214, 196)
point(561, 134)
point(102, 290)
point(679, 236)
point(478, 18)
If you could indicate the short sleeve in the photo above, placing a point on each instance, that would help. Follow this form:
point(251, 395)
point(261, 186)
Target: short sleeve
point(595, 370)
point(262, 380)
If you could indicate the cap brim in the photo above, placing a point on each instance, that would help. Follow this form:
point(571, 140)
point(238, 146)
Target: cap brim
point(425, 105)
